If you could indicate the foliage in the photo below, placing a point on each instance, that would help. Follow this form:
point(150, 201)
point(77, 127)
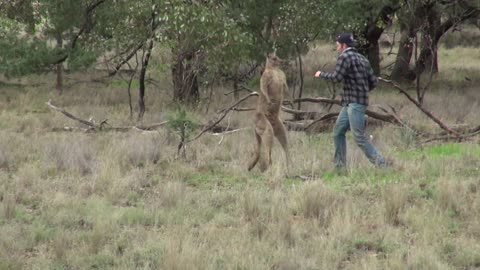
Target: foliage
point(204, 30)
point(180, 123)
point(23, 56)
point(26, 44)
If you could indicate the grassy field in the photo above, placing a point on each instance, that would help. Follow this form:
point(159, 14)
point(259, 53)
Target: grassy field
point(107, 200)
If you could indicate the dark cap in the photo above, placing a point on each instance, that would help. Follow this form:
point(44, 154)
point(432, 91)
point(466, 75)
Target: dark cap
point(346, 38)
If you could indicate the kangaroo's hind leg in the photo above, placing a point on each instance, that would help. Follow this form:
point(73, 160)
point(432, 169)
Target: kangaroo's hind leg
point(281, 134)
point(264, 141)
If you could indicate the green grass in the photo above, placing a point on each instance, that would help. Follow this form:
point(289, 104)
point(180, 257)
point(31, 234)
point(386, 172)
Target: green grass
point(453, 151)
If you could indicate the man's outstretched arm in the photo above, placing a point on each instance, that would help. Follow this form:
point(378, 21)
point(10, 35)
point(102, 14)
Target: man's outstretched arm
point(338, 75)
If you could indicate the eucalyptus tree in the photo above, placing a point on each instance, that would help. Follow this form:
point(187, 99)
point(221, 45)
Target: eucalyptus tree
point(423, 23)
point(366, 19)
point(301, 24)
point(287, 27)
point(128, 29)
point(203, 39)
point(27, 35)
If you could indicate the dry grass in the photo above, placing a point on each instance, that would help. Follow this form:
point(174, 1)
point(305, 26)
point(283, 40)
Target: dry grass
point(123, 201)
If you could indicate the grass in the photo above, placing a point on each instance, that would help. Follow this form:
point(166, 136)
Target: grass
point(108, 200)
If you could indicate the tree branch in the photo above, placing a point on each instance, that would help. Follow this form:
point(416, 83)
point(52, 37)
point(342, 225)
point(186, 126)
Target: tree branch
point(425, 111)
point(102, 126)
point(225, 112)
point(88, 12)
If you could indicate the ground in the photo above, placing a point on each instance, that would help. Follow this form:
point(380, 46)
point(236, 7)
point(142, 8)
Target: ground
point(122, 200)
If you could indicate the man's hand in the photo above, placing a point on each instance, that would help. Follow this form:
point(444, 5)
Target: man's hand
point(317, 74)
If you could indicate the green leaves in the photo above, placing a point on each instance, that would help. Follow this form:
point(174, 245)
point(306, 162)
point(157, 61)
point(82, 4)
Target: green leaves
point(21, 57)
point(27, 37)
point(180, 123)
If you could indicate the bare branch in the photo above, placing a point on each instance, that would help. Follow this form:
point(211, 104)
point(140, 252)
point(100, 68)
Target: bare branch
point(225, 112)
point(386, 118)
point(88, 13)
point(425, 111)
point(102, 126)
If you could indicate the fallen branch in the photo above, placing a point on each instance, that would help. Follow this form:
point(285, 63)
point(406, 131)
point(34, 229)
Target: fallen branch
point(450, 138)
point(325, 117)
point(69, 115)
point(425, 111)
point(318, 100)
point(243, 109)
point(103, 125)
point(230, 131)
point(225, 112)
point(303, 115)
point(383, 117)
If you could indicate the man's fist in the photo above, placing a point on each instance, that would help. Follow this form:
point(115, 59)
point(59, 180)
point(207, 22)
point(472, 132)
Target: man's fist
point(317, 74)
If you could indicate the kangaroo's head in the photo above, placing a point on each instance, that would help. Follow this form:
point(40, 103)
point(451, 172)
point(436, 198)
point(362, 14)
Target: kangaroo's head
point(273, 60)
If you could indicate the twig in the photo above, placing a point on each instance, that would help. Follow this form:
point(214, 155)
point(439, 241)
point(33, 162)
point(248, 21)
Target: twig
point(243, 109)
point(241, 87)
point(229, 131)
point(228, 126)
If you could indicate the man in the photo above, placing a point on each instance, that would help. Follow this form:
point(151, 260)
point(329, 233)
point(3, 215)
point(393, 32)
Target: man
point(354, 70)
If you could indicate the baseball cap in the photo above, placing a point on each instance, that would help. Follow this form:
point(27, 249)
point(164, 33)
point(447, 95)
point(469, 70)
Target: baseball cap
point(346, 38)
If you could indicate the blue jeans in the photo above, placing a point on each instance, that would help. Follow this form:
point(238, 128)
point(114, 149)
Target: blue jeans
point(352, 117)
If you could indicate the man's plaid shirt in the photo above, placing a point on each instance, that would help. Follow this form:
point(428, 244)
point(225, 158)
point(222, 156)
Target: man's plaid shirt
point(356, 73)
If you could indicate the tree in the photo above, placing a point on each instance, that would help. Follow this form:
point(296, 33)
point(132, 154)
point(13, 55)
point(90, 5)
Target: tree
point(429, 20)
point(203, 40)
point(26, 44)
point(367, 20)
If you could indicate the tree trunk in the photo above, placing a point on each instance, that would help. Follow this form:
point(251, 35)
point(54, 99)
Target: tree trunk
point(437, 30)
point(428, 40)
point(236, 89)
point(371, 49)
point(59, 84)
point(372, 52)
point(372, 33)
point(401, 69)
point(141, 80)
point(185, 83)
point(300, 70)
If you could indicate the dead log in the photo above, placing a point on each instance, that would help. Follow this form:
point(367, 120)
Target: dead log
point(102, 126)
point(382, 117)
point(302, 115)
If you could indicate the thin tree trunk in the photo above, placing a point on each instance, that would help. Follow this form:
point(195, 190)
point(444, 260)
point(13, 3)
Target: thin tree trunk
point(373, 55)
point(141, 80)
point(236, 89)
point(401, 69)
point(428, 40)
point(438, 32)
point(185, 81)
point(372, 33)
point(59, 83)
point(300, 71)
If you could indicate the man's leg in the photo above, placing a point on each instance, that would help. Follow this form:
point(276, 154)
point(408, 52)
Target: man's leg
point(356, 116)
point(341, 127)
